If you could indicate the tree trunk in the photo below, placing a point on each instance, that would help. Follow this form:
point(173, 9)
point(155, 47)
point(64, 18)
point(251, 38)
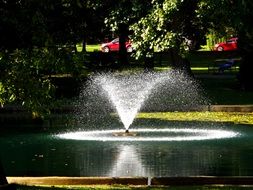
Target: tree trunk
point(84, 44)
point(149, 61)
point(245, 75)
point(123, 35)
point(246, 72)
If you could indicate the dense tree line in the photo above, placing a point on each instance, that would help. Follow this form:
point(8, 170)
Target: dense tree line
point(41, 23)
point(34, 32)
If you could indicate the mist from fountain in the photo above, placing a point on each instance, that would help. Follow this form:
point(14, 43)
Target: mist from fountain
point(128, 93)
point(107, 95)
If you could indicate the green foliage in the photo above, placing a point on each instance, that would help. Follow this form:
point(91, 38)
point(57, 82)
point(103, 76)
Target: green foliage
point(43, 23)
point(21, 82)
point(228, 17)
point(37, 40)
point(237, 15)
point(25, 76)
point(150, 31)
point(216, 36)
point(30, 29)
point(212, 39)
point(166, 26)
point(125, 12)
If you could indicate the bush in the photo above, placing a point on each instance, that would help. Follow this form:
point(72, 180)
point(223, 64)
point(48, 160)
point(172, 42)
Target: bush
point(26, 76)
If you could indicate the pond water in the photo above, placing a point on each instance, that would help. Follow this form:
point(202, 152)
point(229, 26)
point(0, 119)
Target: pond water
point(48, 154)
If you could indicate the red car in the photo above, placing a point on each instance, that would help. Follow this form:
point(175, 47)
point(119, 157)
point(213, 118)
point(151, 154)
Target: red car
point(229, 45)
point(114, 46)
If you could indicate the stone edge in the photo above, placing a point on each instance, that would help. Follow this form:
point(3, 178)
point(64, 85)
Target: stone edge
point(78, 180)
point(154, 181)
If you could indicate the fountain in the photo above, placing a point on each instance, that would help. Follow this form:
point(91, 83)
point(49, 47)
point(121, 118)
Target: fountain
point(128, 93)
point(125, 95)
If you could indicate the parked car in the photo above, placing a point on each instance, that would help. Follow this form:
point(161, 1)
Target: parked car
point(229, 45)
point(114, 46)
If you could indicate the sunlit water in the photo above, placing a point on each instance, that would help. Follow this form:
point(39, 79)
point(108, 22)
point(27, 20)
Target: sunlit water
point(169, 134)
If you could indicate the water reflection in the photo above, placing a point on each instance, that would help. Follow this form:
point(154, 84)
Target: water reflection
point(128, 163)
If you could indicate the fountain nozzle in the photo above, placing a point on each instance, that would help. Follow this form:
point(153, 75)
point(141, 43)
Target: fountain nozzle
point(126, 133)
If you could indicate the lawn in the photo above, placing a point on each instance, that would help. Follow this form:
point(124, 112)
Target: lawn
point(123, 187)
point(89, 47)
point(232, 117)
point(225, 91)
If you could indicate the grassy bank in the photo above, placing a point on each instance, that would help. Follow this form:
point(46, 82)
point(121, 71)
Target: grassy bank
point(234, 117)
point(119, 187)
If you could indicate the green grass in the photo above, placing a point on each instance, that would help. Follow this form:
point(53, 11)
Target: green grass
point(124, 187)
point(225, 91)
point(89, 48)
point(232, 117)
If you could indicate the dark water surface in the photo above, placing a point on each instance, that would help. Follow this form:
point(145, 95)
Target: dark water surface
point(42, 154)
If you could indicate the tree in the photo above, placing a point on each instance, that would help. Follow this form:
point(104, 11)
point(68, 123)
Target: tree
point(122, 14)
point(170, 24)
point(238, 15)
point(33, 38)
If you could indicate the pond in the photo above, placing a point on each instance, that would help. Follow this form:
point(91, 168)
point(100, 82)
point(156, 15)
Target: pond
point(50, 154)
